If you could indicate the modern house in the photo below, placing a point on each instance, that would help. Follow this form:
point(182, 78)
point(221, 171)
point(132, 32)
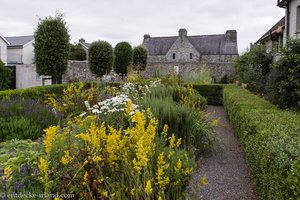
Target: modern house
point(292, 17)
point(20, 50)
point(190, 53)
point(274, 38)
point(3, 48)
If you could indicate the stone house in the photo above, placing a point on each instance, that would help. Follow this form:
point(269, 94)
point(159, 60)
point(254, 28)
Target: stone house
point(292, 17)
point(190, 53)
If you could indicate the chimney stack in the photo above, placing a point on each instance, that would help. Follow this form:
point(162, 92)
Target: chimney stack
point(182, 33)
point(81, 40)
point(146, 36)
point(231, 36)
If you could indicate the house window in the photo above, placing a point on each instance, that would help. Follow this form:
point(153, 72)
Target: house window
point(191, 56)
point(298, 19)
point(173, 56)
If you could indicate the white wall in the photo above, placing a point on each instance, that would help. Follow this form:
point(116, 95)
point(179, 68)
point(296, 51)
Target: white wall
point(14, 55)
point(293, 18)
point(28, 54)
point(3, 51)
point(26, 77)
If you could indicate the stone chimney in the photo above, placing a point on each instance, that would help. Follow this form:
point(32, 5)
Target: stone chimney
point(231, 36)
point(81, 40)
point(146, 36)
point(182, 33)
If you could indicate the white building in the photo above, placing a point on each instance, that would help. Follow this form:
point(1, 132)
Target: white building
point(20, 50)
point(292, 17)
point(3, 49)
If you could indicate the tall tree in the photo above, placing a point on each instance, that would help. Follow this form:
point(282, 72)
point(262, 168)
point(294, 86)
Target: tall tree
point(51, 47)
point(123, 57)
point(140, 55)
point(100, 57)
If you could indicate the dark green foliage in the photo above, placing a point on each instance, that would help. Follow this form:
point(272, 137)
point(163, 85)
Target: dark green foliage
point(5, 76)
point(100, 58)
point(51, 46)
point(24, 119)
point(253, 66)
point(185, 122)
point(285, 84)
point(213, 93)
point(140, 55)
point(270, 139)
point(77, 53)
point(123, 57)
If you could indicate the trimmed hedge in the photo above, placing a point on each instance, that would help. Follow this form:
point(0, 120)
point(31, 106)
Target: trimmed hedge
point(213, 93)
point(36, 93)
point(270, 139)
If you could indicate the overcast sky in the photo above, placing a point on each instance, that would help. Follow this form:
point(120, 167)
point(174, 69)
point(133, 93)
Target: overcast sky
point(129, 20)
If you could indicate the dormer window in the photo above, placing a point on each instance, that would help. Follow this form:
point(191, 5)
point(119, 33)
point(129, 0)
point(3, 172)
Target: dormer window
point(173, 56)
point(191, 56)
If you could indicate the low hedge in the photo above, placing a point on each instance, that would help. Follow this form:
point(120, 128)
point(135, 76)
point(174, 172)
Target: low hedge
point(270, 138)
point(213, 93)
point(36, 93)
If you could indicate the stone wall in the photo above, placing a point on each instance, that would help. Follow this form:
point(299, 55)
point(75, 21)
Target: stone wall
point(78, 71)
point(219, 65)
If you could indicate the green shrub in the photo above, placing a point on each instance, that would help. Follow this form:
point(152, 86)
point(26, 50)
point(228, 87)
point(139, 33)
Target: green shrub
point(19, 128)
point(140, 55)
point(21, 157)
point(253, 66)
point(213, 93)
point(123, 57)
point(184, 121)
point(77, 53)
point(270, 139)
point(285, 84)
point(100, 58)
point(203, 76)
point(24, 119)
point(5, 76)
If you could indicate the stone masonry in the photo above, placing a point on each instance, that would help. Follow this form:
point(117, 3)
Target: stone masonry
point(191, 53)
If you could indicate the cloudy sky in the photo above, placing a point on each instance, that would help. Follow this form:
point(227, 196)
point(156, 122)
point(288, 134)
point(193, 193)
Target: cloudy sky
point(129, 20)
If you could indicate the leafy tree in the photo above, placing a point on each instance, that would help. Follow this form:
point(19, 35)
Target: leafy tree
point(77, 53)
point(123, 57)
point(140, 55)
point(253, 67)
point(100, 57)
point(286, 77)
point(51, 47)
point(5, 76)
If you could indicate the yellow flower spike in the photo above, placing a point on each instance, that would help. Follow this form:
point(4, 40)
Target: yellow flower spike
point(43, 168)
point(178, 166)
point(188, 171)
point(162, 166)
point(128, 108)
point(148, 188)
point(66, 159)
point(215, 122)
point(85, 178)
point(172, 140)
point(7, 173)
point(203, 182)
point(51, 132)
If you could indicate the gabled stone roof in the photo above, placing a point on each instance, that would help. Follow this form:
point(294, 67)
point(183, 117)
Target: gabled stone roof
point(204, 44)
point(159, 45)
point(19, 41)
point(213, 45)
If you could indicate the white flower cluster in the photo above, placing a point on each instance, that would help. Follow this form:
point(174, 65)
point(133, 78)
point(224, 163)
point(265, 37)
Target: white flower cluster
point(114, 104)
point(137, 91)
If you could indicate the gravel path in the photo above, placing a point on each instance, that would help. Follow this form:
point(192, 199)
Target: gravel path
point(226, 170)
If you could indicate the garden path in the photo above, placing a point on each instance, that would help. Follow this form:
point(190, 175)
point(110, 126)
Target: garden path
point(226, 170)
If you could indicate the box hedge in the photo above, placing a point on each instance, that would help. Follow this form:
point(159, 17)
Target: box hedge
point(213, 93)
point(270, 138)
